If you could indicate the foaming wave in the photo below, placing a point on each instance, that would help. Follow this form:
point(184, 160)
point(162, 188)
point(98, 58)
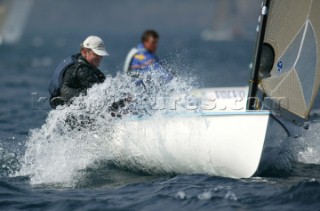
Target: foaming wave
point(10, 152)
point(79, 136)
point(310, 152)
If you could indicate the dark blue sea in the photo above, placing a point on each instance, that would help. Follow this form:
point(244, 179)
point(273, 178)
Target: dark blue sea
point(76, 184)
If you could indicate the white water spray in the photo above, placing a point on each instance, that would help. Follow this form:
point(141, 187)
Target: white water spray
point(310, 153)
point(76, 137)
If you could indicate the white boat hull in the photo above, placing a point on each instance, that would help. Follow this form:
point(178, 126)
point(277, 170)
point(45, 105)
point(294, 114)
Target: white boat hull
point(220, 144)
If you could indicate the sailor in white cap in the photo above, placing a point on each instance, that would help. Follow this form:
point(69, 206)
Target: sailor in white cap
point(93, 49)
point(77, 73)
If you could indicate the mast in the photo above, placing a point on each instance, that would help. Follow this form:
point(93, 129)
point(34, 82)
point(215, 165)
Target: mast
point(254, 82)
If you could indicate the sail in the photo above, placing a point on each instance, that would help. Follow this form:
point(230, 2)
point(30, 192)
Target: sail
point(290, 60)
point(13, 18)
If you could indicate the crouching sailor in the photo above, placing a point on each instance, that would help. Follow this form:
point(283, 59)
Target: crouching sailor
point(142, 60)
point(77, 73)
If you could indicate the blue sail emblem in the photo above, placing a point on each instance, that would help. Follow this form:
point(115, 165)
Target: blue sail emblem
point(280, 66)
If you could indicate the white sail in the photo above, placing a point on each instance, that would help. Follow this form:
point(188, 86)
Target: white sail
point(13, 19)
point(231, 20)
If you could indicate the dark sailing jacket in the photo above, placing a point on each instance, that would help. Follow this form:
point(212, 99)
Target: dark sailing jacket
point(78, 78)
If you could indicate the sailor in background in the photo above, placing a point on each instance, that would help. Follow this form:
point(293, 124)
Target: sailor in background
point(77, 73)
point(142, 61)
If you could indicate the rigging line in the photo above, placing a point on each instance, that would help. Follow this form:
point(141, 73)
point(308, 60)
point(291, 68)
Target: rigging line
point(255, 81)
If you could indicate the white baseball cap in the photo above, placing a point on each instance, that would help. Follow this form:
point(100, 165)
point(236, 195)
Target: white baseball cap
point(96, 44)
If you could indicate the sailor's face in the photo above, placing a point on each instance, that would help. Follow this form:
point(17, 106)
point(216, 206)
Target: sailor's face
point(93, 58)
point(151, 44)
